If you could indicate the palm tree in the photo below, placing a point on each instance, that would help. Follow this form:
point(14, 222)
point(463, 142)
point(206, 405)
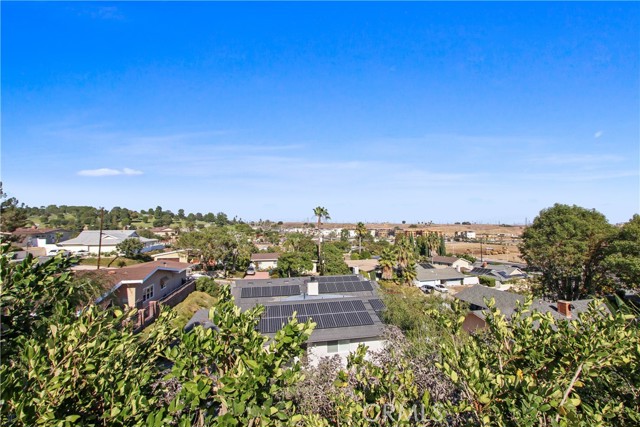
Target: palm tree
point(409, 274)
point(321, 213)
point(404, 253)
point(387, 262)
point(432, 243)
point(361, 231)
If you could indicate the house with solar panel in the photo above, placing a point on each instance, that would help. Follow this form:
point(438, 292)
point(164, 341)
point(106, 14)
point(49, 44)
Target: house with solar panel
point(346, 310)
point(499, 272)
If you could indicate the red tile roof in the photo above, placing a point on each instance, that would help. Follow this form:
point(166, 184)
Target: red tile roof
point(137, 272)
point(269, 256)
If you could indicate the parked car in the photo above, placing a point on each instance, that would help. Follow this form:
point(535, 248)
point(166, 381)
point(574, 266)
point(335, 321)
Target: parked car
point(441, 288)
point(251, 271)
point(427, 289)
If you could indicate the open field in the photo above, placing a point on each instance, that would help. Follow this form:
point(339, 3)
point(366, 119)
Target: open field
point(505, 252)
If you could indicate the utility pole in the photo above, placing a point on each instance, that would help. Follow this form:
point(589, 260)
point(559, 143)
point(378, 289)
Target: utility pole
point(100, 237)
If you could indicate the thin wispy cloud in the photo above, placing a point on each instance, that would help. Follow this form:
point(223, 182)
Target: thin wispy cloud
point(598, 134)
point(578, 159)
point(101, 12)
point(109, 172)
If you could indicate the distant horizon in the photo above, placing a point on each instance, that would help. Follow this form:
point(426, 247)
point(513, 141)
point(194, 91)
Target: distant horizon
point(380, 112)
point(312, 219)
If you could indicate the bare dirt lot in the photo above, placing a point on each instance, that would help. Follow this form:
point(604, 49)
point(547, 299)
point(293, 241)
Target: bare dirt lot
point(505, 252)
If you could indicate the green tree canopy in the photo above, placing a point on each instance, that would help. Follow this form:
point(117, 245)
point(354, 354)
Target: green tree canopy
point(226, 246)
point(130, 248)
point(294, 264)
point(566, 244)
point(621, 263)
point(12, 215)
point(333, 260)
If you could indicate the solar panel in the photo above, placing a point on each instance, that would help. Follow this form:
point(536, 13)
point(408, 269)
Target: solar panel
point(328, 321)
point(365, 318)
point(367, 286)
point(323, 308)
point(300, 309)
point(334, 307)
point(286, 310)
point(352, 319)
point(270, 291)
point(358, 305)
point(346, 306)
point(341, 320)
point(273, 311)
point(312, 309)
point(377, 304)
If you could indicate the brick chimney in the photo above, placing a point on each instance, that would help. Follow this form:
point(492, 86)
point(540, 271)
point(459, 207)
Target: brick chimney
point(564, 308)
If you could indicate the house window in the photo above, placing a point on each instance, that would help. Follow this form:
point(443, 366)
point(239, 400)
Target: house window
point(341, 346)
point(163, 283)
point(147, 293)
point(344, 345)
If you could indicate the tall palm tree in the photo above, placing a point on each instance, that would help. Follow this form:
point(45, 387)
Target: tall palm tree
point(321, 213)
point(387, 262)
point(361, 231)
point(433, 240)
point(404, 252)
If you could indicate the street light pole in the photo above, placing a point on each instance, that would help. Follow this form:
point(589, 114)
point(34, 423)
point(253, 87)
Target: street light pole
point(100, 237)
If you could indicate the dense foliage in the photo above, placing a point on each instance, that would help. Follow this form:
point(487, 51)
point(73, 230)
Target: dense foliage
point(579, 253)
point(67, 363)
point(130, 248)
point(228, 248)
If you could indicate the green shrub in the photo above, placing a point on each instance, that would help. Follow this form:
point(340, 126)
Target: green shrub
point(487, 281)
point(208, 285)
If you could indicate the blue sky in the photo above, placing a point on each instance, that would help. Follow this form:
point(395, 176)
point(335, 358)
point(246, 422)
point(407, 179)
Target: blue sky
point(484, 112)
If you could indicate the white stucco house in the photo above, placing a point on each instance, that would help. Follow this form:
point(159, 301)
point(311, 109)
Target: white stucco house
point(450, 261)
point(426, 275)
point(264, 261)
point(89, 240)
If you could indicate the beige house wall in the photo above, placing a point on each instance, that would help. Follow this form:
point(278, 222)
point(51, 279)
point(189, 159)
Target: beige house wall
point(172, 281)
point(473, 322)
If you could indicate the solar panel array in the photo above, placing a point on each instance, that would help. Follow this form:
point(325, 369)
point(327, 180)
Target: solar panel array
point(270, 291)
point(341, 284)
point(481, 271)
point(332, 314)
point(335, 279)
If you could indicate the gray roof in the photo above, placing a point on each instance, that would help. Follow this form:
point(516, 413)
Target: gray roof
point(446, 259)
point(431, 274)
point(506, 302)
point(318, 335)
point(109, 237)
point(499, 272)
point(200, 318)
